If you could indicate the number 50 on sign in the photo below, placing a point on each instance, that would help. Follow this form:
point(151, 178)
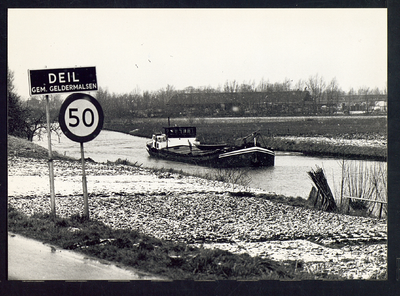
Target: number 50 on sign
point(81, 117)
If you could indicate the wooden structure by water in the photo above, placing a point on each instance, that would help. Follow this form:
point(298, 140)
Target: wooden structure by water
point(322, 198)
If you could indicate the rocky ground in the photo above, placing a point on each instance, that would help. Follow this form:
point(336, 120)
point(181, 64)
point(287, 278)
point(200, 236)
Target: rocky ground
point(201, 212)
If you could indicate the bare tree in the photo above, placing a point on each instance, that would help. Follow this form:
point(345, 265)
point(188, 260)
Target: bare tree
point(262, 85)
point(300, 85)
point(332, 93)
point(232, 86)
point(376, 91)
point(316, 86)
point(37, 121)
point(189, 90)
point(247, 87)
point(287, 84)
point(365, 93)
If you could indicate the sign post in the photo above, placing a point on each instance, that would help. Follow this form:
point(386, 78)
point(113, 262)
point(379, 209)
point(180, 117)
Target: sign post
point(81, 119)
point(48, 81)
point(51, 165)
point(84, 186)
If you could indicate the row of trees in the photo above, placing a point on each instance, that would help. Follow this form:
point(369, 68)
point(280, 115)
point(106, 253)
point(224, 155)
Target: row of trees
point(27, 118)
point(133, 103)
point(150, 104)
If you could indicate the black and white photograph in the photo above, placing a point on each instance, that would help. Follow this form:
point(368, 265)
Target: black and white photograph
point(197, 144)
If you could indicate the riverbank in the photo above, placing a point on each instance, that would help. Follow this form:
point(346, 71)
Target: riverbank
point(374, 148)
point(193, 212)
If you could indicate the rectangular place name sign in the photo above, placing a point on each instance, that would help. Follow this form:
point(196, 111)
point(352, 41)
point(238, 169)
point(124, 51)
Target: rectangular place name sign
point(48, 81)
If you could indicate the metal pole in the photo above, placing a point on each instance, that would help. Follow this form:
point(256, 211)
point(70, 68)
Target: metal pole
point(51, 168)
point(84, 184)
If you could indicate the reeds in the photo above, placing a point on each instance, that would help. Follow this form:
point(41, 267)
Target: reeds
point(363, 180)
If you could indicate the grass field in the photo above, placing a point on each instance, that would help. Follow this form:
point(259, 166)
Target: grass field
point(173, 260)
point(219, 129)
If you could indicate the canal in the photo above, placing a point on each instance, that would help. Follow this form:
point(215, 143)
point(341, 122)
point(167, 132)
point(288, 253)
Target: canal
point(288, 177)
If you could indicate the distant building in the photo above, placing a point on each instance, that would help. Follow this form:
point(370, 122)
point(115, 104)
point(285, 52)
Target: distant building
point(365, 103)
point(380, 106)
point(240, 103)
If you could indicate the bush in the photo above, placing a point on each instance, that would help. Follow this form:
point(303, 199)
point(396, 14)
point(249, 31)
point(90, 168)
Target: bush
point(232, 176)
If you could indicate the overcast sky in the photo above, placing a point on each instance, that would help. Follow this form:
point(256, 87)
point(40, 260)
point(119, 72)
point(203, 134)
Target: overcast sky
point(147, 49)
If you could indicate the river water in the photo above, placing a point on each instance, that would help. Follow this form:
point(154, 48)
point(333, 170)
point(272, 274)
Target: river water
point(288, 177)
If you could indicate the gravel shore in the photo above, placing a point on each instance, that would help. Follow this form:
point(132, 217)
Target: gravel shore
point(202, 212)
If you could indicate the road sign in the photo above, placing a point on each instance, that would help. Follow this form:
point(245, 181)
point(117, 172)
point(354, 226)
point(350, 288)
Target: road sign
point(48, 81)
point(81, 117)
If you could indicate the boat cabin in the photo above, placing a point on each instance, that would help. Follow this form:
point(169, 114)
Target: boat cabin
point(174, 136)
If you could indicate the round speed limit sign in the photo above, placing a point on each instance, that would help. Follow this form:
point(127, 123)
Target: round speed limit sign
point(81, 117)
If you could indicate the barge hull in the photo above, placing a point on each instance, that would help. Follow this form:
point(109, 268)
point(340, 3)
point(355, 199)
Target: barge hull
point(248, 157)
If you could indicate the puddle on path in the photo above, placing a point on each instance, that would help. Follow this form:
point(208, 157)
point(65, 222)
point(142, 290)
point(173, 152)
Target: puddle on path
point(32, 260)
